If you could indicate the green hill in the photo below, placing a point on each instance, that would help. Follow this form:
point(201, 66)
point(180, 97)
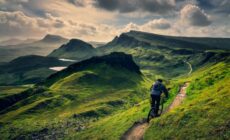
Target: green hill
point(204, 114)
point(75, 49)
point(28, 69)
point(71, 100)
point(156, 54)
point(102, 96)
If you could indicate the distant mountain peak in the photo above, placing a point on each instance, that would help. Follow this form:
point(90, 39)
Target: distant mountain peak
point(74, 49)
point(53, 38)
point(76, 44)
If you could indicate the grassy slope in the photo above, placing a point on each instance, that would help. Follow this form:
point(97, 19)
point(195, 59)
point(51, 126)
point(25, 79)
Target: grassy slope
point(111, 120)
point(75, 94)
point(82, 108)
point(205, 113)
point(156, 54)
point(113, 126)
point(104, 109)
point(11, 90)
point(155, 62)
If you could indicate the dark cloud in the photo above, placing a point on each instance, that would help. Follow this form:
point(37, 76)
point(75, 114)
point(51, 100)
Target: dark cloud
point(212, 6)
point(218, 6)
point(108, 4)
point(160, 6)
point(38, 17)
point(163, 6)
point(29, 7)
point(59, 23)
point(194, 16)
point(125, 6)
point(76, 2)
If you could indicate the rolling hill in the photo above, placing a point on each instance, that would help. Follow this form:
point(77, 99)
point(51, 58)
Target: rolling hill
point(42, 47)
point(74, 96)
point(156, 54)
point(102, 96)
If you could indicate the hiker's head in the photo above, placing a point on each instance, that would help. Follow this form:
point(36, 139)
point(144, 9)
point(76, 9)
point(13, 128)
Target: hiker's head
point(160, 80)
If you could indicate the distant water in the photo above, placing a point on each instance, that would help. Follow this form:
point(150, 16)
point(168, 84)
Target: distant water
point(57, 68)
point(68, 60)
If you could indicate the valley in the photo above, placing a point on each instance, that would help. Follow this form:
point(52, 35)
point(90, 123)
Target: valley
point(81, 92)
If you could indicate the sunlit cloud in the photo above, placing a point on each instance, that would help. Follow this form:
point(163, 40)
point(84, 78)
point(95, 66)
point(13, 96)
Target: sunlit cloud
point(193, 15)
point(100, 20)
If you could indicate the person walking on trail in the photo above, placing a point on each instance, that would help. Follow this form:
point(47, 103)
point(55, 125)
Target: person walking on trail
point(156, 90)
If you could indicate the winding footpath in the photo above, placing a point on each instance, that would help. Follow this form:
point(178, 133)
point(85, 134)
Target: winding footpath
point(190, 67)
point(136, 132)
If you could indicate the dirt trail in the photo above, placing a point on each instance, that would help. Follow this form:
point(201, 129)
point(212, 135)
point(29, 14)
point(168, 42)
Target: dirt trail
point(179, 98)
point(137, 131)
point(190, 67)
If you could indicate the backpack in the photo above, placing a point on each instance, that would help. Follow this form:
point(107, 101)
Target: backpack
point(157, 87)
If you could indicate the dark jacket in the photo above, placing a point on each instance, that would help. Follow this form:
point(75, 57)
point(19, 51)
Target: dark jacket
point(158, 88)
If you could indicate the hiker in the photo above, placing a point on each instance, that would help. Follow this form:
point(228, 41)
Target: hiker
point(156, 90)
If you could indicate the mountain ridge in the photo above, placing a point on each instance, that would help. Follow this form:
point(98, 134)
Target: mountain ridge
point(203, 42)
point(115, 59)
point(100, 97)
point(49, 38)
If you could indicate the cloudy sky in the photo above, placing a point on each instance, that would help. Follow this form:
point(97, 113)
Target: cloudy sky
point(101, 20)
